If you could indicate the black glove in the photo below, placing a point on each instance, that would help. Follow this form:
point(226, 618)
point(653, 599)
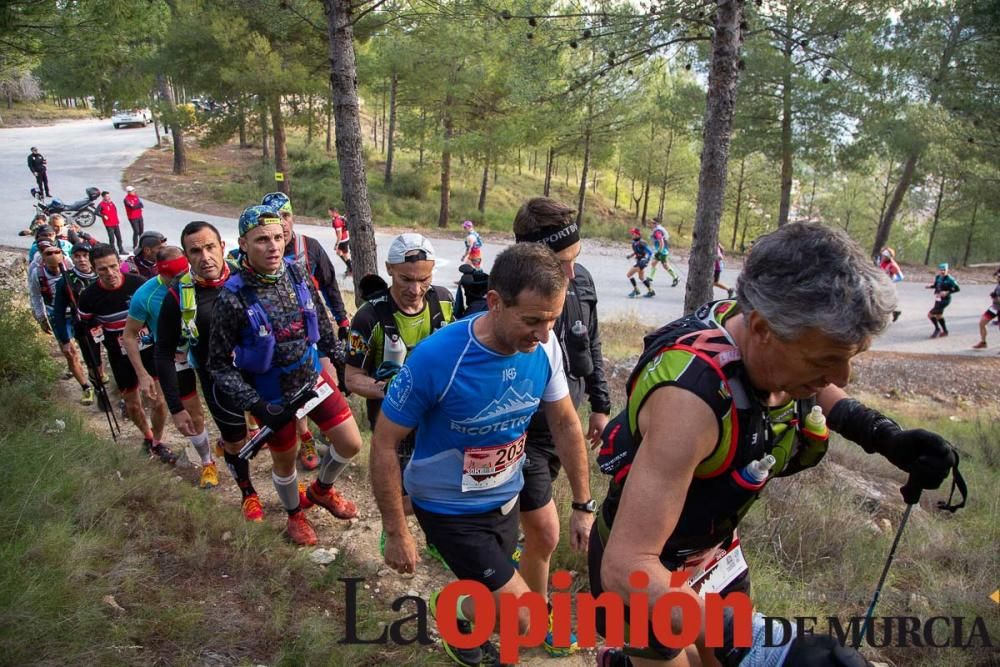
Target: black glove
point(727, 654)
point(343, 333)
point(272, 415)
point(926, 456)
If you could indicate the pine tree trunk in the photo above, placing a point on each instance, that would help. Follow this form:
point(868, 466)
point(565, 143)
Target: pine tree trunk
point(718, 128)
point(392, 129)
point(885, 223)
point(329, 123)
point(350, 155)
point(582, 198)
point(482, 189)
point(812, 198)
point(384, 90)
point(180, 152)
point(934, 223)
point(939, 83)
point(446, 165)
point(739, 202)
point(618, 177)
point(241, 110)
point(265, 153)
point(423, 130)
point(549, 160)
point(666, 176)
point(972, 229)
point(280, 146)
point(786, 119)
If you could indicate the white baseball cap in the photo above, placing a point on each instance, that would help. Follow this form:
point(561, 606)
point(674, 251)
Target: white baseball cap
point(410, 247)
point(129, 188)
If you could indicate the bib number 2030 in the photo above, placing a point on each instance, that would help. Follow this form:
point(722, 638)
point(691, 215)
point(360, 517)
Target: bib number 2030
point(489, 467)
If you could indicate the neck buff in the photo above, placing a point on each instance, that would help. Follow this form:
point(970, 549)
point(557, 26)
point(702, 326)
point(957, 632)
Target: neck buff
point(169, 268)
point(265, 278)
point(556, 238)
point(218, 282)
point(85, 276)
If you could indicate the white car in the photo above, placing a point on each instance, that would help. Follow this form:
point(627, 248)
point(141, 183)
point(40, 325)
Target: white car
point(125, 117)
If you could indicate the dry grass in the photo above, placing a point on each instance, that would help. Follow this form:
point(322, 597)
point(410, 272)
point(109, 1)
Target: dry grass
point(27, 114)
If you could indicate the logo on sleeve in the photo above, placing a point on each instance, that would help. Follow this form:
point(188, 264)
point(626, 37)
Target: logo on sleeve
point(400, 388)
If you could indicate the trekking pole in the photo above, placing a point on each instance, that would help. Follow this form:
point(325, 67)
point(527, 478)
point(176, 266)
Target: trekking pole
point(911, 490)
point(299, 401)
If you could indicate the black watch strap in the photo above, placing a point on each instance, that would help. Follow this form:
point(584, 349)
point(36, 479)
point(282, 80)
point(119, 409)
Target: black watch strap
point(589, 506)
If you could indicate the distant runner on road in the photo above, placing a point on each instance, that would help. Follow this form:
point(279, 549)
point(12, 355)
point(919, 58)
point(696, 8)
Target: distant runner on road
point(642, 254)
point(993, 312)
point(661, 250)
point(944, 286)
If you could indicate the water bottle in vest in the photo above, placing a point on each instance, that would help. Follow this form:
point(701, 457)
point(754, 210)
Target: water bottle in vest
point(814, 426)
point(394, 349)
point(756, 472)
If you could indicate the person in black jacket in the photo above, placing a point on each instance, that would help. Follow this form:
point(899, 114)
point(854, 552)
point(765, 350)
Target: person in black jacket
point(546, 221)
point(37, 165)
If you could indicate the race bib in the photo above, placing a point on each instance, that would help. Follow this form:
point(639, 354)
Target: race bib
point(97, 333)
point(323, 391)
point(490, 467)
point(719, 569)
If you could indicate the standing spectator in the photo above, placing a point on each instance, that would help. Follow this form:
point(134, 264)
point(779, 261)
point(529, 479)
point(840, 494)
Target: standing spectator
point(109, 215)
point(720, 255)
point(343, 237)
point(133, 211)
point(944, 286)
point(887, 262)
point(37, 165)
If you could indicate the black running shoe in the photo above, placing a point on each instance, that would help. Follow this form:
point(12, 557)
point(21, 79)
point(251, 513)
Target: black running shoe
point(164, 453)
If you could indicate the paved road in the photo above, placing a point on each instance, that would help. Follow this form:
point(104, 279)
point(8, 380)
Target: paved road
point(91, 152)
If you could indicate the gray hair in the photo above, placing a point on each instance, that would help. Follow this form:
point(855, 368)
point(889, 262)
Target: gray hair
point(809, 276)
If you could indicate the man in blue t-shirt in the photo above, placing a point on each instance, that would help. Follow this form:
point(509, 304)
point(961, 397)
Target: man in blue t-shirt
point(137, 340)
point(470, 390)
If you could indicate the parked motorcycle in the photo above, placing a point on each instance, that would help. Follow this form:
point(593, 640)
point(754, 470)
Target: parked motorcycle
point(83, 212)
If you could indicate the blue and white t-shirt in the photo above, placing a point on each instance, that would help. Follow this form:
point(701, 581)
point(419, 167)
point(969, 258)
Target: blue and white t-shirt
point(471, 407)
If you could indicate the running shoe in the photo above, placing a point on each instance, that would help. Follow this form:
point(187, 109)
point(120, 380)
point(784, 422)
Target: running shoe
point(981, 345)
point(935, 334)
point(944, 334)
point(147, 446)
point(467, 657)
point(209, 476)
point(87, 396)
point(164, 453)
point(674, 284)
point(433, 552)
point(649, 294)
point(559, 651)
point(634, 293)
point(300, 531)
point(896, 314)
point(332, 501)
point(307, 454)
point(252, 509)
point(121, 409)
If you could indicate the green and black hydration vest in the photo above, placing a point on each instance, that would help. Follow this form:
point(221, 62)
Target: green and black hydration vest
point(696, 353)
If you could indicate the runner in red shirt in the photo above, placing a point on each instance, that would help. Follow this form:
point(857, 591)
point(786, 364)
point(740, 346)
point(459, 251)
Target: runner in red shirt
point(109, 215)
point(343, 237)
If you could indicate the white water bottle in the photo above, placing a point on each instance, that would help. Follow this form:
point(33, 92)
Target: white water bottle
point(756, 472)
point(394, 350)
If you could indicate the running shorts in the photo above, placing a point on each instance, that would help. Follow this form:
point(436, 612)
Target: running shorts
point(475, 546)
point(228, 417)
point(328, 414)
point(541, 467)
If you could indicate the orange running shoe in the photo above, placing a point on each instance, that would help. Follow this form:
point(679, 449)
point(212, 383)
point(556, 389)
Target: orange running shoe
point(252, 509)
point(307, 453)
point(332, 501)
point(300, 531)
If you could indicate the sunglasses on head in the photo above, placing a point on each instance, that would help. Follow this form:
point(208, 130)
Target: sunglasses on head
point(50, 253)
point(415, 256)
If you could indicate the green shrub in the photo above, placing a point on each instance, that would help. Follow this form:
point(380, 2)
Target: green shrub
point(412, 184)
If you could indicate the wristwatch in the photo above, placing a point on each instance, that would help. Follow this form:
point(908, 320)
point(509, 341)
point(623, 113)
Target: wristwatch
point(589, 506)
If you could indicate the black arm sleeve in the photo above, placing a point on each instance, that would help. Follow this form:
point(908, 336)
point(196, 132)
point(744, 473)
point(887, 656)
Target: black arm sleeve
point(168, 337)
point(326, 276)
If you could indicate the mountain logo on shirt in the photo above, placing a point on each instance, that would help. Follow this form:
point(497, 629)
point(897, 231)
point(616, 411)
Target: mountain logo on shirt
point(510, 402)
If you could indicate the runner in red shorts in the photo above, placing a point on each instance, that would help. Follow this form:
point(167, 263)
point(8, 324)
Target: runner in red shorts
point(271, 338)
